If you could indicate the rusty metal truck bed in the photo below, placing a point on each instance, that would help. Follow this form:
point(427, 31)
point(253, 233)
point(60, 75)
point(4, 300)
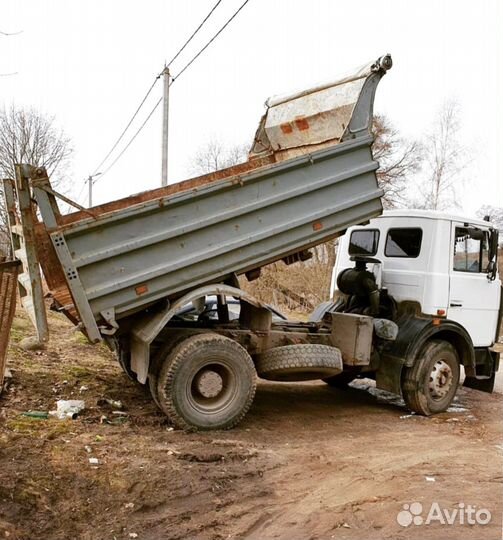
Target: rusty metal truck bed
point(310, 175)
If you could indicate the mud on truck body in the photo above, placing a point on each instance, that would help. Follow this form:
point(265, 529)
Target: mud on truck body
point(125, 272)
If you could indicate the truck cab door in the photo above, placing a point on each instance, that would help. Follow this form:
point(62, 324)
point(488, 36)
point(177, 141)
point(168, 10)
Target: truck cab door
point(474, 297)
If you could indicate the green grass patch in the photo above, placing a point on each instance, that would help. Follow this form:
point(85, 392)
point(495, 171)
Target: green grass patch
point(80, 338)
point(79, 372)
point(48, 428)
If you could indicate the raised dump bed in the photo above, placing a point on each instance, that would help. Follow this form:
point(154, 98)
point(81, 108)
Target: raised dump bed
point(310, 175)
point(122, 270)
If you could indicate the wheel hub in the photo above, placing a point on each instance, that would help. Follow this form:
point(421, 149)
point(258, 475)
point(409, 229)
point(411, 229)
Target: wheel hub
point(209, 383)
point(440, 379)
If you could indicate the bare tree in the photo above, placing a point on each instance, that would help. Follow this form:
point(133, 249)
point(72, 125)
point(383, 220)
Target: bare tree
point(27, 136)
point(215, 155)
point(399, 160)
point(445, 160)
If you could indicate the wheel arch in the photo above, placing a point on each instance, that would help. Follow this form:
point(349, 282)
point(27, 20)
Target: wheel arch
point(450, 332)
point(147, 328)
point(414, 333)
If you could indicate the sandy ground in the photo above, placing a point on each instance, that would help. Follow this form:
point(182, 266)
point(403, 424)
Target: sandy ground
point(308, 462)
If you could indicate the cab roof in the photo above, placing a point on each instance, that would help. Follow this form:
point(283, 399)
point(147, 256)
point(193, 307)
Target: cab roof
point(435, 214)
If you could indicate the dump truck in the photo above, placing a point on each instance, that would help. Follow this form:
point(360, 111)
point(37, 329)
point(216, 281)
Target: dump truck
point(124, 271)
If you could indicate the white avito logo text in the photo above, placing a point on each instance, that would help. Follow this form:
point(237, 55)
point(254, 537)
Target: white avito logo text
point(461, 514)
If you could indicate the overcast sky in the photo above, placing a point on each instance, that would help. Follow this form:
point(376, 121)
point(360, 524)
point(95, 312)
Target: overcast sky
point(90, 62)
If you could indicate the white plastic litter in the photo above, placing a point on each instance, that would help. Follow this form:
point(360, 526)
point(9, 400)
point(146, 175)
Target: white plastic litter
point(430, 478)
point(455, 408)
point(68, 408)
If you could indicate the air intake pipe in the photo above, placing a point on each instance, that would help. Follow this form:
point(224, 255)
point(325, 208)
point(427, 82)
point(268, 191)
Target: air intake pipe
point(359, 282)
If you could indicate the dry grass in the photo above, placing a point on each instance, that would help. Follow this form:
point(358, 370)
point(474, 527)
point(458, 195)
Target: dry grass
point(298, 287)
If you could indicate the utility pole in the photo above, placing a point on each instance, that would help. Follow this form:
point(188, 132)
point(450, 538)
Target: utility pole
point(90, 181)
point(165, 122)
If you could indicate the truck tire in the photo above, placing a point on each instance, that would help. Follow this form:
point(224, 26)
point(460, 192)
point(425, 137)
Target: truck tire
point(299, 363)
point(207, 382)
point(156, 363)
point(429, 386)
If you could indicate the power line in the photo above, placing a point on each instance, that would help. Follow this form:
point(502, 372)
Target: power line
point(194, 33)
point(10, 33)
point(151, 88)
point(128, 124)
point(131, 140)
point(194, 58)
point(81, 192)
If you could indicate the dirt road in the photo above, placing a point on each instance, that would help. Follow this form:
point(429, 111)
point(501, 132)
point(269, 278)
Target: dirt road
point(308, 462)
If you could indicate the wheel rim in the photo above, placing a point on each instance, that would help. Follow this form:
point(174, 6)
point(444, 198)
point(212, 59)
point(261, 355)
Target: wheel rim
point(441, 379)
point(211, 388)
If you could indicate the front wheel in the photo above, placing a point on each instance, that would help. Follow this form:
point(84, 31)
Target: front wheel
point(206, 382)
point(429, 386)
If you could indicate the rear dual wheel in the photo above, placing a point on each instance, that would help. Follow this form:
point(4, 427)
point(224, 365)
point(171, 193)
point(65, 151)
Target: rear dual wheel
point(206, 381)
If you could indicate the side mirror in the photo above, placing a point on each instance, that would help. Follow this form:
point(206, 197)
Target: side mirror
point(492, 267)
point(491, 271)
point(493, 245)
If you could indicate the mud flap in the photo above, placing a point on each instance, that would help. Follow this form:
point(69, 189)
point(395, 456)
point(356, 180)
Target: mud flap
point(485, 371)
point(389, 375)
point(8, 295)
point(484, 385)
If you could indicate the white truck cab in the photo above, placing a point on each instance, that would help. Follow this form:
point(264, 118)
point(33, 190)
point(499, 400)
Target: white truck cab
point(432, 277)
point(435, 259)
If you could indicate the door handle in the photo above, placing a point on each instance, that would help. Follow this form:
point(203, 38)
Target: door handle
point(456, 304)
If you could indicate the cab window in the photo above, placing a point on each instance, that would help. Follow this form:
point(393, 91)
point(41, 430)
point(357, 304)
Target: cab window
point(364, 242)
point(471, 250)
point(404, 242)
